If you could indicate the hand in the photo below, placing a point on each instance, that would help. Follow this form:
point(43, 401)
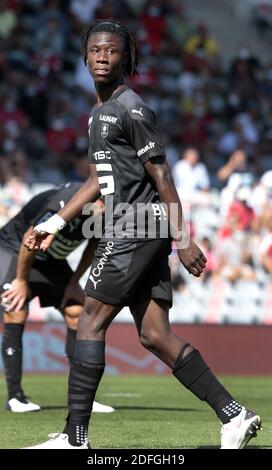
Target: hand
point(192, 259)
point(73, 291)
point(38, 240)
point(16, 296)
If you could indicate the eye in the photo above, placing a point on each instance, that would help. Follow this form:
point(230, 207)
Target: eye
point(93, 50)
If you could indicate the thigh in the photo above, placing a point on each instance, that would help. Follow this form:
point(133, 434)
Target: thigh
point(7, 268)
point(46, 280)
point(119, 266)
point(156, 283)
point(150, 314)
point(95, 319)
point(152, 322)
point(7, 272)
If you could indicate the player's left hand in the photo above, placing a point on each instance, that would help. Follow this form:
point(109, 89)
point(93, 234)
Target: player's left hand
point(16, 296)
point(192, 259)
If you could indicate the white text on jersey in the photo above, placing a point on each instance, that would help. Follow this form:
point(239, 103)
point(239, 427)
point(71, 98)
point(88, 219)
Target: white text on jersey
point(105, 118)
point(149, 146)
point(102, 155)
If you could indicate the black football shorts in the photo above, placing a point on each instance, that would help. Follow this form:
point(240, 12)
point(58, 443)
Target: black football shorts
point(124, 272)
point(47, 279)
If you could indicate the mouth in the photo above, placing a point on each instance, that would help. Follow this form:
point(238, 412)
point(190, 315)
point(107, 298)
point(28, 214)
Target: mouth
point(102, 71)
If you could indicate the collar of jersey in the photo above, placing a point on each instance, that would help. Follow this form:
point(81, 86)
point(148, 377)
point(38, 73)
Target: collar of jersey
point(118, 93)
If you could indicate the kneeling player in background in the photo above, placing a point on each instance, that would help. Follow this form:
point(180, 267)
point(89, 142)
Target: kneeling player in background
point(25, 274)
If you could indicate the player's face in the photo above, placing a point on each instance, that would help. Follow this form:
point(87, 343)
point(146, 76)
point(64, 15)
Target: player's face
point(105, 57)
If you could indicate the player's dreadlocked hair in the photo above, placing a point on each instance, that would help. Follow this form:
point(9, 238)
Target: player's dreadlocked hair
point(117, 27)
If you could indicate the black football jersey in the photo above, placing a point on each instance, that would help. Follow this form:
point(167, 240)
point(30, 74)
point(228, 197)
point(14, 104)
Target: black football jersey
point(38, 210)
point(123, 135)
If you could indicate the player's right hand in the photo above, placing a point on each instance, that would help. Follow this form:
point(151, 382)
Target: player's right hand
point(193, 259)
point(37, 240)
point(43, 234)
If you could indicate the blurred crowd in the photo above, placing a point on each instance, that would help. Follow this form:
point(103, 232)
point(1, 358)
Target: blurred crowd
point(215, 121)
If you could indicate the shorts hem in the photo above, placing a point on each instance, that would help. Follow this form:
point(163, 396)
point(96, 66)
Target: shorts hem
point(102, 299)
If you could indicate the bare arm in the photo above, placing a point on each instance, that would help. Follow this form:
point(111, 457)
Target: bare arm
point(189, 253)
point(160, 173)
point(43, 237)
point(18, 293)
point(225, 171)
point(88, 192)
point(25, 259)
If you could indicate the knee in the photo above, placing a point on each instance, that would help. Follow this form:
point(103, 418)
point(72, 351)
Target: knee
point(71, 316)
point(71, 322)
point(15, 317)
point(150, 339)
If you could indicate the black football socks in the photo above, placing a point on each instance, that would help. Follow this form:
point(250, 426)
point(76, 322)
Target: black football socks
point(70, 344)
point(12, 354)
point(193, 372)
point(85, 374)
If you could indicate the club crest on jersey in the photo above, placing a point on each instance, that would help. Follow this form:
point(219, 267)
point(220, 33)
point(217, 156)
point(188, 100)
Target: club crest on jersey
point(104, 130)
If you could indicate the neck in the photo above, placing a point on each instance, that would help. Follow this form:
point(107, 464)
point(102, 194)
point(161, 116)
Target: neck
point(105, 92)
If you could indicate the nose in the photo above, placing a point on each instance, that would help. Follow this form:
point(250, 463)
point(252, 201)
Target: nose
point(102, 57)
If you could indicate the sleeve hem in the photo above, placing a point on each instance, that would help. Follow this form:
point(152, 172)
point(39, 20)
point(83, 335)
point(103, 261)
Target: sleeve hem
point(151, 155)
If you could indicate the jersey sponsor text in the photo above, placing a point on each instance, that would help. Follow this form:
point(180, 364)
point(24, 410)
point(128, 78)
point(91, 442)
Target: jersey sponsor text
point(145, 149)
point(106, 118)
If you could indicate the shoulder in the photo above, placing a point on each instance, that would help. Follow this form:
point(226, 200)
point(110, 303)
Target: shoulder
point(130, 99)
point(134, 106)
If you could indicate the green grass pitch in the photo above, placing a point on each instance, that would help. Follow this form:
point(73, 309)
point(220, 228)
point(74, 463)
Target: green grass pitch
point(151, 413)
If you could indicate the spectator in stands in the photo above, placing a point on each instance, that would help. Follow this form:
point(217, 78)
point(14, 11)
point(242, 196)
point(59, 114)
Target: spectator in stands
point(236, 172)
point(241, 134)
point(83, 11)
point(244, 66)
point(202, 45)
point(240, 214)
point(154, 23)
point(235, 259)
point(190, 175)
point(261, 202)
point(8, 20)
